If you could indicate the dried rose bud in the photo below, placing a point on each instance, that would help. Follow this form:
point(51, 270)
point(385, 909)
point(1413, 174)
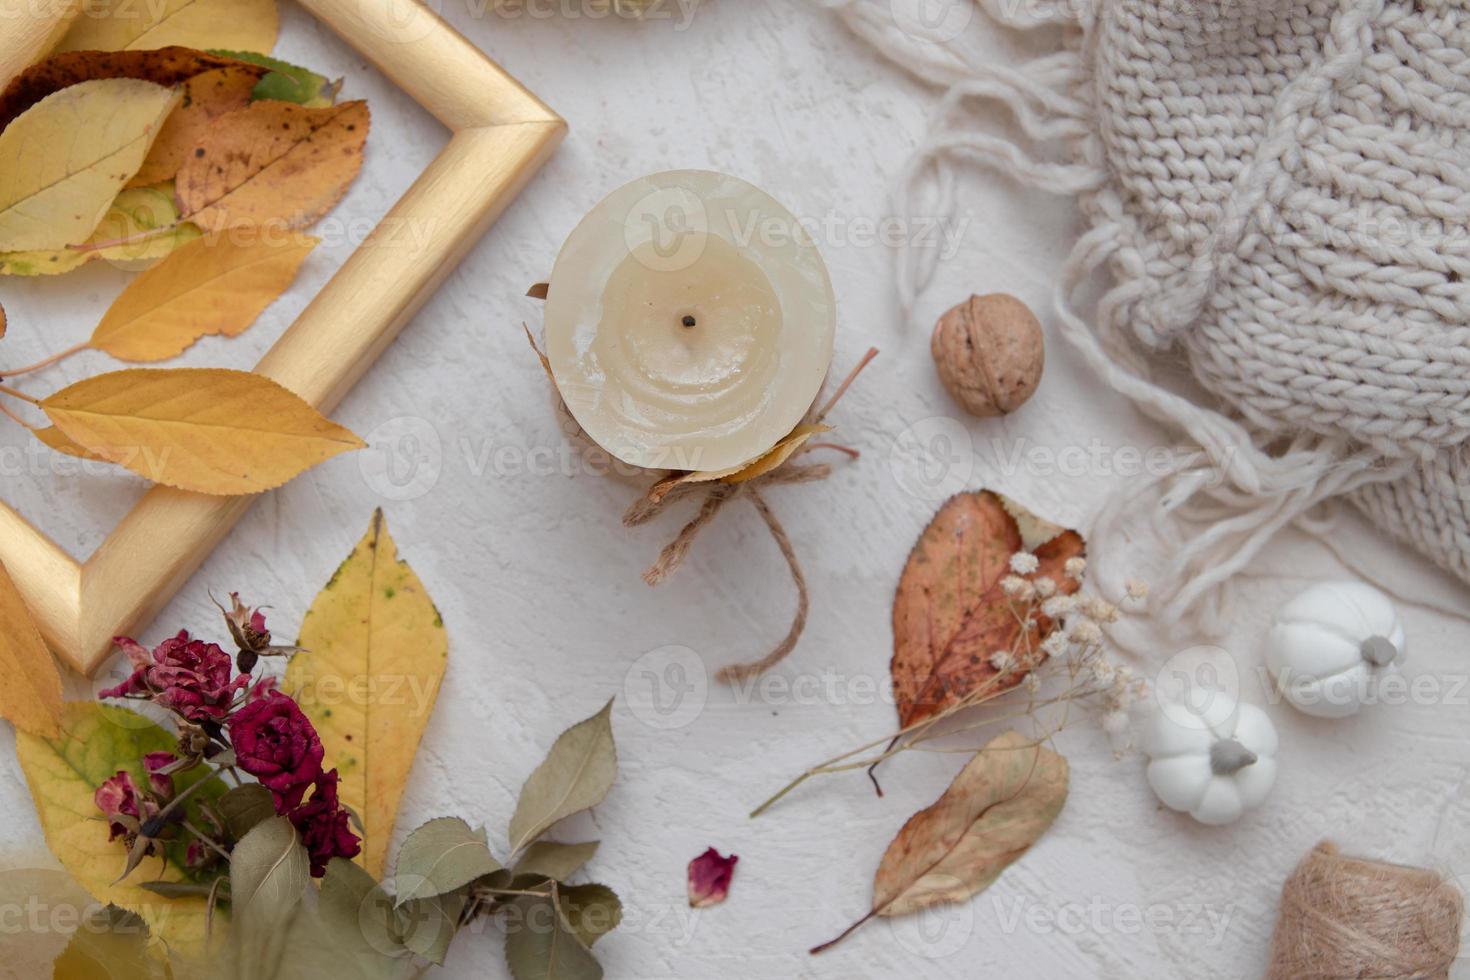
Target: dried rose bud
point(709, 878)
point(989, 353)
point(160, 768)
point(247, 626)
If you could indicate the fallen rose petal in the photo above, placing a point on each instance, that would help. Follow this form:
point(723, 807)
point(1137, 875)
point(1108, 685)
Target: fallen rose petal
point(709, 878)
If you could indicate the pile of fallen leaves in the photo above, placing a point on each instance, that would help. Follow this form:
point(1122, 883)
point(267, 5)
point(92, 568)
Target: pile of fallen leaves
point(200, 168)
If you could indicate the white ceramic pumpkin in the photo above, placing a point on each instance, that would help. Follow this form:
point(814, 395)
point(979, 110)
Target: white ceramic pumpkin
point(1332, 645)
point(1213, 761)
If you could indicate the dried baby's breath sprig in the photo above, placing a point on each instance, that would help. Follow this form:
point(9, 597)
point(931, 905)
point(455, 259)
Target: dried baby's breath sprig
point(1069, 667)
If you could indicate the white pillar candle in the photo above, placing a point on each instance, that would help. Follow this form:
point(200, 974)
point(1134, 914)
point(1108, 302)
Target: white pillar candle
point(689, 322)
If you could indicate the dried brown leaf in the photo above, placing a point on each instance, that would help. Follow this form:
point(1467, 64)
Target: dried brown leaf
point(272, 163)
point(166, 66)
point(950, 615)
point(997, 807)
point(207, 97)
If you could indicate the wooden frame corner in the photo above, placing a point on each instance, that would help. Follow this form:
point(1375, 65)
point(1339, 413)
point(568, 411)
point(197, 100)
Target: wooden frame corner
point(500, 136)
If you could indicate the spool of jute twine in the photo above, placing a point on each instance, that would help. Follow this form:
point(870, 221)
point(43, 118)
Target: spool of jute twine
point(1344, 917)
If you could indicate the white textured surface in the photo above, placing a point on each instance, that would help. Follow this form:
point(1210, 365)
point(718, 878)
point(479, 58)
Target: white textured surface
point(540, 588)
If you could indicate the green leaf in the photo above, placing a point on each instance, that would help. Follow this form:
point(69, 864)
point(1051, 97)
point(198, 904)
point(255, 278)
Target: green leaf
point(554, 860)
point(287, 82)
point(269, 871)
point(178, 889)
point(243, 807)
point(592, 911)
point(577, 774)
point(64, 772)
point(541, 945)
point(441, 856)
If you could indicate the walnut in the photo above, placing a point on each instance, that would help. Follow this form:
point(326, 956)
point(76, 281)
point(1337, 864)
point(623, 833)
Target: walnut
point(989, 353)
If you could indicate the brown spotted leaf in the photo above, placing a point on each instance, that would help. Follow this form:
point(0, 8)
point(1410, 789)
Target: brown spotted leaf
point(207, 97)
point(950, 615)
point(166, 66)
point(273, 163)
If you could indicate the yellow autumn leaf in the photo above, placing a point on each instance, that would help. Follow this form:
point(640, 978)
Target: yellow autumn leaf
point(30, 698)
point(760, 466)
point(130, 25)
point(777, 455)
point(64, 160)
point(62, 443)
point(63, 773)
point(140, 227)
point(202, 429)
point(376, 650)
point(214, 285)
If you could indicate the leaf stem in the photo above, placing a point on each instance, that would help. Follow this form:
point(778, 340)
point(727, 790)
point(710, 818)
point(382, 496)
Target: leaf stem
point(181, 797)
point(148, 235)
point(4, 410)
point(7, 390)
point(206, 840)
point(47, 362)
point(845, 933)
point(846, 383)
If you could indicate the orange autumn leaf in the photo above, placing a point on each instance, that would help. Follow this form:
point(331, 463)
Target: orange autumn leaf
point(207, 97)
point(166, 66)
point(214, 285)
point(273, 163)
point(30, 698)
point(202, 429)
point(950, 615)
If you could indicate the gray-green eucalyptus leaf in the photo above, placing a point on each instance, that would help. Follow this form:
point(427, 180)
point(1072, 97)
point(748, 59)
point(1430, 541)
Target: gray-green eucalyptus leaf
point(440, 857)
point(554, 860)
point(242, 807)
point(269, 871)
point(541, 945)
point(592, 911)
point(577, 774)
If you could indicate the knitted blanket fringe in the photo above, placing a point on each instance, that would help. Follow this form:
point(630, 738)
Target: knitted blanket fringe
point(1207, 521)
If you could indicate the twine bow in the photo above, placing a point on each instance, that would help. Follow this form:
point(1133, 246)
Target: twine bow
point(674, 486)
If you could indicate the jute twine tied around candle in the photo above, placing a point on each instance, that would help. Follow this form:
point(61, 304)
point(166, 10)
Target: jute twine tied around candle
point(672, 486)
point(1345, 917)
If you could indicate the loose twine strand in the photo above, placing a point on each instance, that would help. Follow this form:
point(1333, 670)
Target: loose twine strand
point(716, 496)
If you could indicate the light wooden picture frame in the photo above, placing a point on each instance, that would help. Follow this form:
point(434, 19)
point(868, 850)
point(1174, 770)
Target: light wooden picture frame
point(500, 136)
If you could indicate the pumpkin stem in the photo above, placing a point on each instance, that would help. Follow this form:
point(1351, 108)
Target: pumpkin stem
point(1379, 651)
point(1228, 757)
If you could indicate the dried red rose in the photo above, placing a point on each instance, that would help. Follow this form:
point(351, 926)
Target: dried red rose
point(182, 674)
point(276, 743)
point(325, 826)
point(118, 797)
point(261, 688)
point(709, 878)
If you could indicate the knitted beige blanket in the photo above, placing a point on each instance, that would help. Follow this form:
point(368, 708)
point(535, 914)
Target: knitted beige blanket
point(1280, 191)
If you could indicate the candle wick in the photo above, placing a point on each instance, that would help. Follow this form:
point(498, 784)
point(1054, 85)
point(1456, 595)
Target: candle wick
point(689, 320)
